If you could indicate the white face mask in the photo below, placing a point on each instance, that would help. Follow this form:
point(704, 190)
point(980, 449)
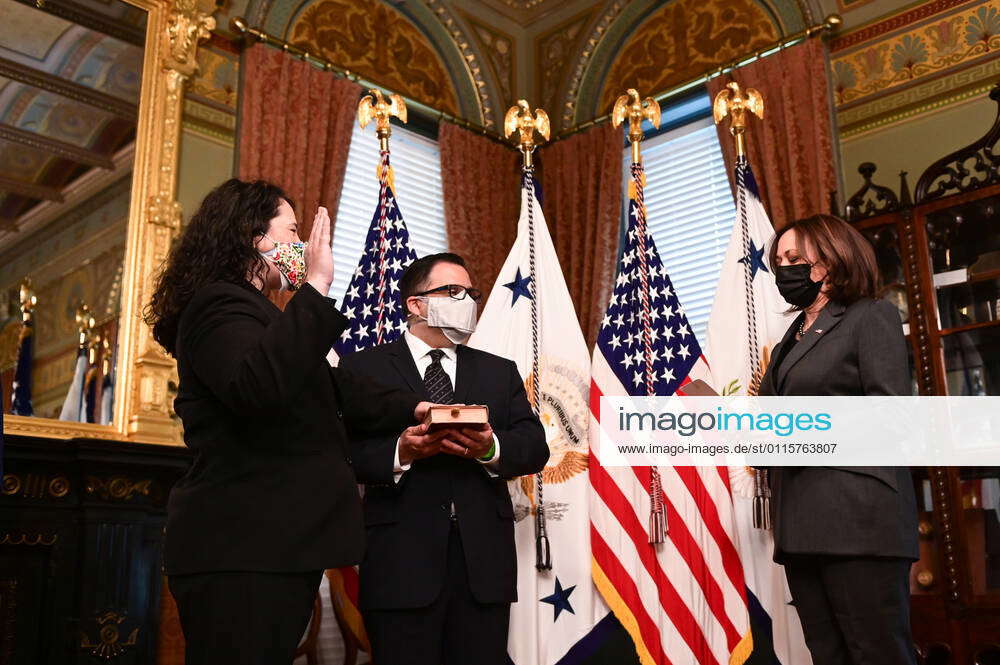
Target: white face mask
point(455, 318)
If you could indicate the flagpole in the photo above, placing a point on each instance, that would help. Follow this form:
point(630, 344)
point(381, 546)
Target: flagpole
point(735, 103)
point(373, 106)
point(519, 118)
point(21, 399)
point(631, 107)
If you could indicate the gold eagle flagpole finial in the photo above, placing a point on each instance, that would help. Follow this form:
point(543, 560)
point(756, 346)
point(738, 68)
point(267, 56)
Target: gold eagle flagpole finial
point(28, 300)
point(735, 102)
point(520, 119)
point(374, 106)
point(635, 109)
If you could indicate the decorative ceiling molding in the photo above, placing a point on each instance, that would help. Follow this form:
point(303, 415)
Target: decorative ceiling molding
point(430, 23)
point(598, 33)
point(67, 88)
point(488, 103)
point(498, 47)
point(557, 50)
point(379, 43)
point(522, 12)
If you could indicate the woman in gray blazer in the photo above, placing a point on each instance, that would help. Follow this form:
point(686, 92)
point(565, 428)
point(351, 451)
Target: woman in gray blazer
point(845, 535)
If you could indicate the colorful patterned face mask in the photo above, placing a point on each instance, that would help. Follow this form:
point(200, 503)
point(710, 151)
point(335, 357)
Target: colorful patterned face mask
point(290, 260)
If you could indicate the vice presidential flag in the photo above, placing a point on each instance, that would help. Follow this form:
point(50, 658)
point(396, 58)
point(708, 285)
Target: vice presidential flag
point(748, 318)
point(683, 600)
point(530, 319)
point(371, 304)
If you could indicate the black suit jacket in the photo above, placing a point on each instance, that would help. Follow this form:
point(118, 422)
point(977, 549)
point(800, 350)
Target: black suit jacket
point(271, 488)
point(857, 511)
point(407, 523)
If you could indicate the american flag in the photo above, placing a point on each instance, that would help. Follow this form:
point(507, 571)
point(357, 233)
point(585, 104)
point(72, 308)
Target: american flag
point(371, 302)
point(683, 600)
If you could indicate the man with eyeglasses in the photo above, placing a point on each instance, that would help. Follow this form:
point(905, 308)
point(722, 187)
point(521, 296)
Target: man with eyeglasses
point(440, 568)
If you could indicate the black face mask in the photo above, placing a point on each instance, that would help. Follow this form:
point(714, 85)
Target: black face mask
point(795, 285)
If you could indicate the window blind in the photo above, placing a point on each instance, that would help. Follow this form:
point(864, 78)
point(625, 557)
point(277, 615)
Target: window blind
point(689, 211)
point(416, 161)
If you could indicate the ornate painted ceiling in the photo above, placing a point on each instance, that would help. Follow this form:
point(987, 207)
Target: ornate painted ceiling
point(69, 88)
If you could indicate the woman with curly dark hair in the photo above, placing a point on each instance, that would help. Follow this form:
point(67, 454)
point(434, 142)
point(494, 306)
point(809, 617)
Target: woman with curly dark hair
point(270, 500)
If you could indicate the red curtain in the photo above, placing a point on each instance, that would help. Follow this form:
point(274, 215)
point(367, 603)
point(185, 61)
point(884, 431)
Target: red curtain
point(481, 182)
point(582, 201)
point(792, 149)
point(295, 128)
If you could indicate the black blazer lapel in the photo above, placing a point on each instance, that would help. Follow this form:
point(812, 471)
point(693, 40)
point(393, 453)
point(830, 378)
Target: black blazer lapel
point(770, 381)
point(827, 319)
point(402, 360)
point(465, 373)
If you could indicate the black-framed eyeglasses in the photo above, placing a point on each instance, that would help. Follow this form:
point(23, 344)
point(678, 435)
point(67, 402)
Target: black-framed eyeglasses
point(456, 291)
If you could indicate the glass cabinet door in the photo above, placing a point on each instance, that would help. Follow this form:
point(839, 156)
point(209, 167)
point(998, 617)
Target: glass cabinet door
point(964, 246)
point(892, 283)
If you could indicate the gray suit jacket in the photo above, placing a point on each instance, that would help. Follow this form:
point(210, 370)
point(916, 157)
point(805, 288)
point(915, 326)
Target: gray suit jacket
point(853, 511)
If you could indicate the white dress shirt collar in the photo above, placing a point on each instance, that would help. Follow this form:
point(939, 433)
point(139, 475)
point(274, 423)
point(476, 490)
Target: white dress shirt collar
point(419, 348)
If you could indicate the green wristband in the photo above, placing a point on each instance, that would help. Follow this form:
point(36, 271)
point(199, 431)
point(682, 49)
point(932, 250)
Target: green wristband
point(491, 454)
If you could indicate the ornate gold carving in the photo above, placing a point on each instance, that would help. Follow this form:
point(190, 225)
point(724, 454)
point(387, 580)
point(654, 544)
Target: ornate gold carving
point(28, 539)
point(142, 412)
point(682, 39)
point(59, 487)
point(11, 484)
point(109, 644)
point(379, 43)
point(469, 56)
point(35, 486)
point(186, 26)
point(583, 61)
point(498, 48)
point(117, 488)
point(734, 102)
point(557, 50)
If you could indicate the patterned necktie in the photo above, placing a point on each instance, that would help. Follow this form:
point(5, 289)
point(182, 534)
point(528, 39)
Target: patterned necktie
point(436, 380)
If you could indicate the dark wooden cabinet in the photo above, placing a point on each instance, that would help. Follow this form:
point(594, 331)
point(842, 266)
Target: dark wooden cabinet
point(939, 256)
point(81, 529)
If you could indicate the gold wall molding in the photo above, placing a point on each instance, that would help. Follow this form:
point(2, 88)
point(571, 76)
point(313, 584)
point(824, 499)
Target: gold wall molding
point(117, 488)
point(142, 410)
point(35, 486)
point(940, 49)
point(28, 539)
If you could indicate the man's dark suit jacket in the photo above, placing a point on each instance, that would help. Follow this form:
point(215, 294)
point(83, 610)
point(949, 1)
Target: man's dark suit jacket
point(408, 523)
point(271, 488)
point(856, 511)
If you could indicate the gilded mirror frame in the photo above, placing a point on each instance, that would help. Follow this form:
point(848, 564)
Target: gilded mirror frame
point(143, 409)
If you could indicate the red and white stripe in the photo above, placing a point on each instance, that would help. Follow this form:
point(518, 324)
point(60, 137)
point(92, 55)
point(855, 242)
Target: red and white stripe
point(683, 601)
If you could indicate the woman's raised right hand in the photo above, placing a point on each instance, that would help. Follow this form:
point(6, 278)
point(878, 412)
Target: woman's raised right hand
point(319, 253)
